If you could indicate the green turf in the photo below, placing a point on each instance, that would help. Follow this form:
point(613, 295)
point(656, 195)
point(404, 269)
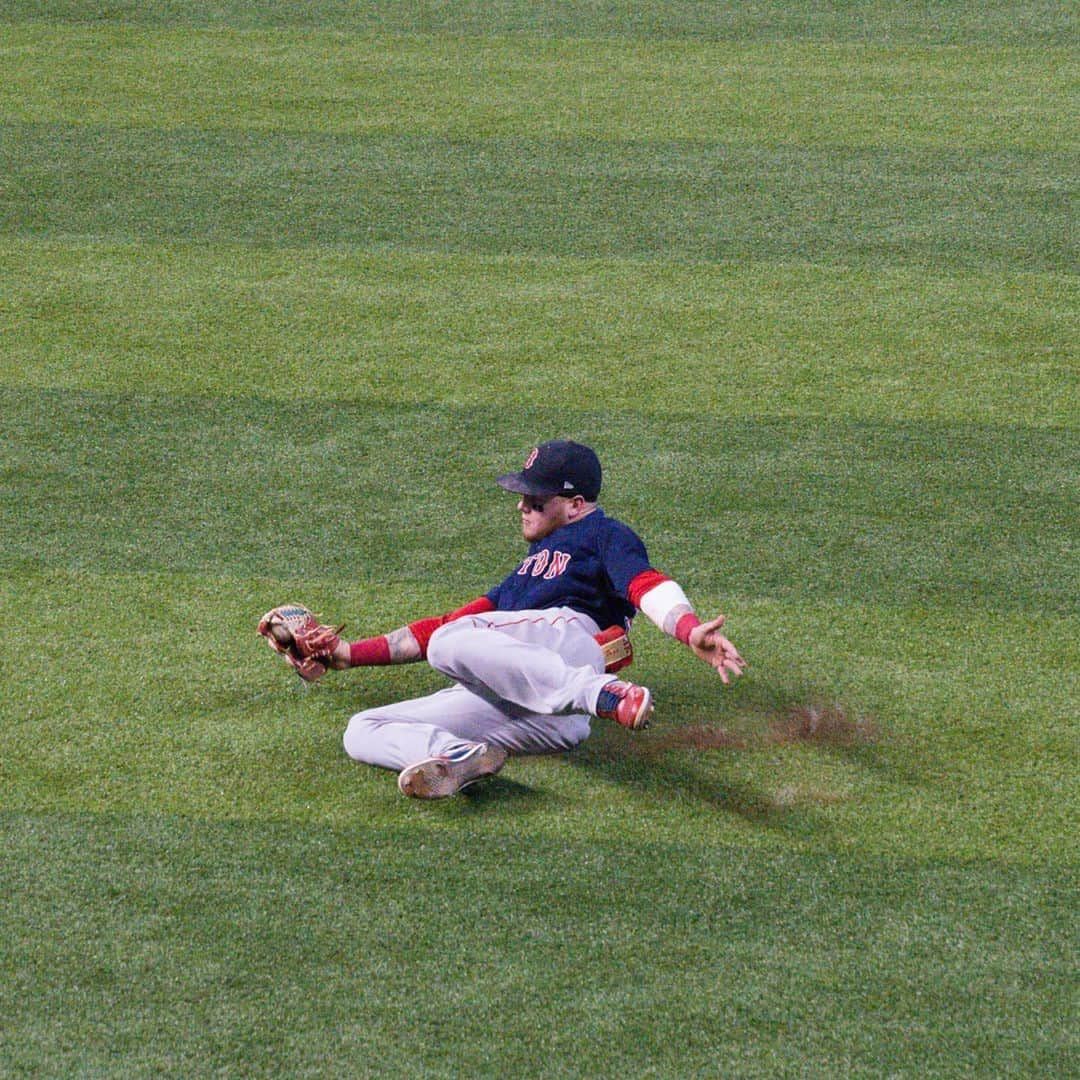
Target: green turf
point(924, 21)
point(338, 953)
point(283, 286)
point(938, 210)
point(793, 341)
point(789, 93)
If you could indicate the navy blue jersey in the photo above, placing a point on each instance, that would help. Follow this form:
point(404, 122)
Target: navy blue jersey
point(587, 565)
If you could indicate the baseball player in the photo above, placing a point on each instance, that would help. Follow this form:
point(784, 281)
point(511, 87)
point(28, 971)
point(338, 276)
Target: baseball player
point(527, 659)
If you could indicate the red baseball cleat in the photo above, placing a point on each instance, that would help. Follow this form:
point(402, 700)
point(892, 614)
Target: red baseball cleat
point(626, 704)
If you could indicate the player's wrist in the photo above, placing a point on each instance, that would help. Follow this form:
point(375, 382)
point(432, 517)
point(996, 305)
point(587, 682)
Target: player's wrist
point(370, 652)
point(339, 658)
point(685, 626)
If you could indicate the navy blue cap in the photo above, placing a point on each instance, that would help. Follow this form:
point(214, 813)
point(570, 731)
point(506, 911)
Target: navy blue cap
point(558, 467)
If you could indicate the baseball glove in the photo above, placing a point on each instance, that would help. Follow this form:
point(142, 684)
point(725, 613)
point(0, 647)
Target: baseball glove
point(306, 644)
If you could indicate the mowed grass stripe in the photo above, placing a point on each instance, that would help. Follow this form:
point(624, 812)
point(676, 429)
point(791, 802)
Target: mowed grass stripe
point(776, 94)
point(934, 704)
point(895, 21)
point(910, 514)
point(936, 209)
point(179, 947)
point(731, 340)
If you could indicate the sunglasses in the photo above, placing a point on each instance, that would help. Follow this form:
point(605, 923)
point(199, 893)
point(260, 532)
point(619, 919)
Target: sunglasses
point(531, 502)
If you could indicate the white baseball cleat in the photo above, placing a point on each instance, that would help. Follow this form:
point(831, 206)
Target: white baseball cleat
point(438, 777)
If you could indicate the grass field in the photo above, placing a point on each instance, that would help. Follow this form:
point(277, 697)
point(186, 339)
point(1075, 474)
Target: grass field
point(283, 285)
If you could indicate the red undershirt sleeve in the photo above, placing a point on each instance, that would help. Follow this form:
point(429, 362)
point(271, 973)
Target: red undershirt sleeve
point(422, 629)
point(641, 583)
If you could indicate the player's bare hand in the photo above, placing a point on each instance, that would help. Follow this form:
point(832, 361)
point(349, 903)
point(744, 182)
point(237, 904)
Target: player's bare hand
point(710, 645)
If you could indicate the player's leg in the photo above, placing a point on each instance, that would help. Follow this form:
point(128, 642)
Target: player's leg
point(449, 722)
point(544, 663)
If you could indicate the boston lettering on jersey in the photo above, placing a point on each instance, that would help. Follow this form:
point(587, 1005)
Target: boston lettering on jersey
point(545, 564)
point(587, 565)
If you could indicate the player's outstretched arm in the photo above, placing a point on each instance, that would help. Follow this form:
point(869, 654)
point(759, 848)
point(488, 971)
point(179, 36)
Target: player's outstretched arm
point(405, 645)
point(312, 647)
point(665, 603)
point(398, 647)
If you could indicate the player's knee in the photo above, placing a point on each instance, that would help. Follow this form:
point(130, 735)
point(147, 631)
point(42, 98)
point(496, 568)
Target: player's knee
point(356, 735)
point(440, 651)
point(576, 730)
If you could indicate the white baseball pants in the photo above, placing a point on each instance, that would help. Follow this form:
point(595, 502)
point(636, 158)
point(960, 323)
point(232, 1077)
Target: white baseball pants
point(524, 680)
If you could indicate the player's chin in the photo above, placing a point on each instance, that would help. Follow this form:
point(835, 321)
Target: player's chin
point(535, 533)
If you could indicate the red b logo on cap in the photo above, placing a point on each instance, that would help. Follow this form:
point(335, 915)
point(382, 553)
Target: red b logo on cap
point(530, 460)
